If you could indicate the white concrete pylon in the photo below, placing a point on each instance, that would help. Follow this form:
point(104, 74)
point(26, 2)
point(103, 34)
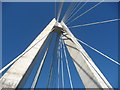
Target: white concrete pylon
point(16, 73)
point(87, 70)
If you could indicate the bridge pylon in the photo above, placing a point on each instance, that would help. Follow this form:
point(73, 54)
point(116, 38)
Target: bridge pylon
point(90, 75)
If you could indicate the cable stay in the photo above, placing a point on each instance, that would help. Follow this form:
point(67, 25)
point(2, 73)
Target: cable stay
point(77, 11)
point(58, 54)
point(67, 65)
point(61, 58)
point(68, 10)
point(71, 11)
point(98, 52)
point(41, 65)
point(12, 62)
point(56, 77)
point(55, 9)
point(60, 10)
point(77, 4)
point(52, 62)
point(86, 12)
point(69, 14)
point(95, 23)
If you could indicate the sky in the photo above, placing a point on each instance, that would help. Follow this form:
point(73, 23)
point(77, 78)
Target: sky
point(22, 22)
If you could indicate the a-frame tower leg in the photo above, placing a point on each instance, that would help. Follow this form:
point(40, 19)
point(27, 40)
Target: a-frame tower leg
point(87, 70)
point(16, 73)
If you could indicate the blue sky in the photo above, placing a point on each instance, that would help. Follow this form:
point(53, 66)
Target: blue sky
point(22, 22)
